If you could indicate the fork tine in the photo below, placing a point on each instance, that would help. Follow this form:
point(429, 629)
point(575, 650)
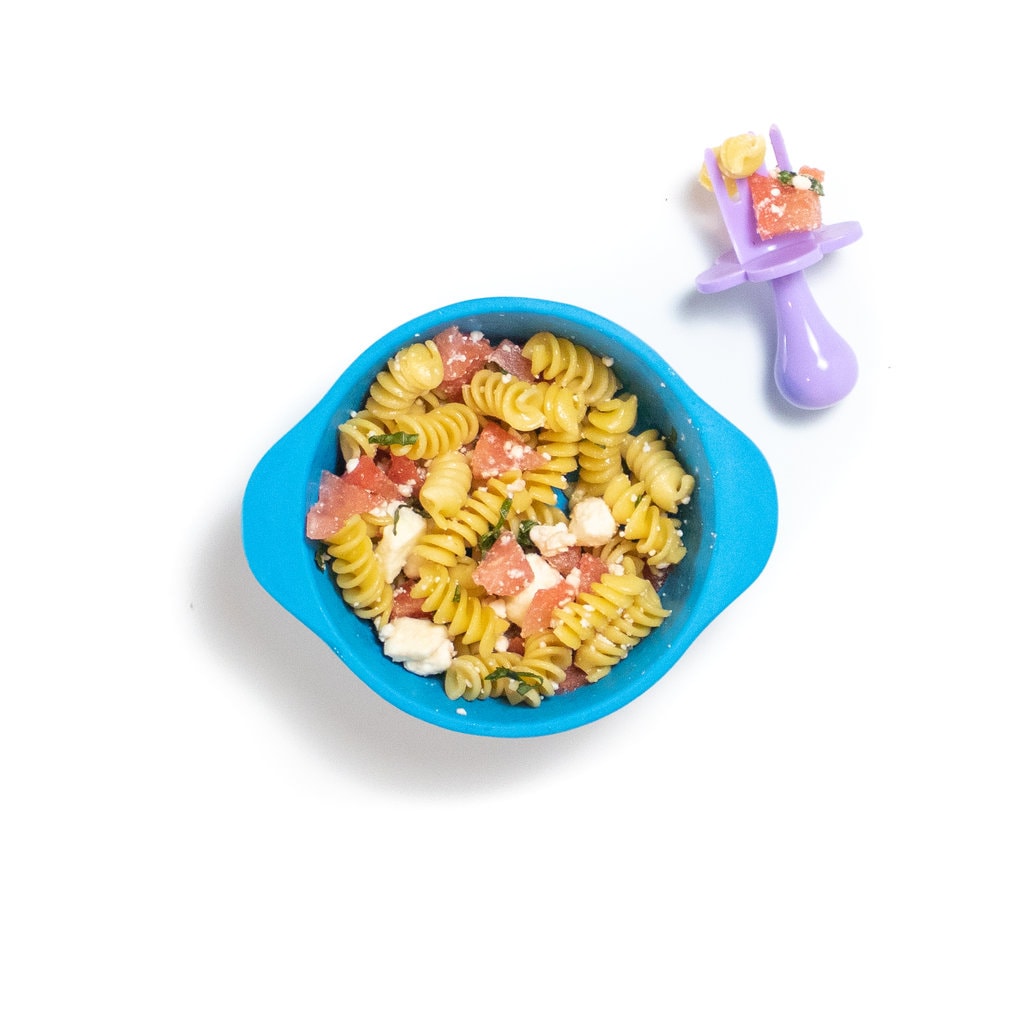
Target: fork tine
point(779, 148)
point(736, 213)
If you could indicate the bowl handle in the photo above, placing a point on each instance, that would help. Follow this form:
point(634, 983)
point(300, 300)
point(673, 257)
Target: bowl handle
point(274, 542)
point(745, 515)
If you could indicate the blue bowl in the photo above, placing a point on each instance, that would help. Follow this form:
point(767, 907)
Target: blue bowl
point(729, 526)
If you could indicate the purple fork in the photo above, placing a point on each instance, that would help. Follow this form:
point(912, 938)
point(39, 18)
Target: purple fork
point(814, 366)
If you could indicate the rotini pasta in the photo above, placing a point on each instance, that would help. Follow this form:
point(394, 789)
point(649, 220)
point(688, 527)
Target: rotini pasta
point(446, 486)
point(503, 397)
point(657, 536)
point(604, 434)
point(572, 365)
point(465, 614)
point(437, 430)
point(355, 433)
point(358, 572)
point(651, 460)
point(518, 530)
point(411, 373)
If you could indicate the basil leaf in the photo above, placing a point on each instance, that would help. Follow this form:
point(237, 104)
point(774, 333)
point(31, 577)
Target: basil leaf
point(488, 539)
point(523, 533)
point(786, 177)
point(519, 677)
point(400, 438)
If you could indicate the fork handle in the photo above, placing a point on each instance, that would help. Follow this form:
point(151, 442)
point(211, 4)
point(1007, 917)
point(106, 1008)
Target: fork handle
point(814, 366)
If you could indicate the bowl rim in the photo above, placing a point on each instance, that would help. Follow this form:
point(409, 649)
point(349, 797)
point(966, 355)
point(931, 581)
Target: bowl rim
point(745, 513)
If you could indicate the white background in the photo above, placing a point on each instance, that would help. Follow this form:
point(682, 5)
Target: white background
point(208, 209)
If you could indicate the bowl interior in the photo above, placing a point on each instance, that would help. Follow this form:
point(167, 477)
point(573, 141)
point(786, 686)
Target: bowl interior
point(286, 483)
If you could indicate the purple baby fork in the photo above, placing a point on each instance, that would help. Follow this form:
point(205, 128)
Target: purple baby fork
point(814, 366)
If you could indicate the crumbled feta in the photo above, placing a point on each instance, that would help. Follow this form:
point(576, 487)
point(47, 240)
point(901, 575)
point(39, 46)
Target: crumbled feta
point(398, 540)
point(592, 523)
point(801, 181)
point(552, 540)
point(420, 645)
point(544, 577)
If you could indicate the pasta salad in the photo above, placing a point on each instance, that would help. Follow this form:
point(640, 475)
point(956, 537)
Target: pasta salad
point(499, 519)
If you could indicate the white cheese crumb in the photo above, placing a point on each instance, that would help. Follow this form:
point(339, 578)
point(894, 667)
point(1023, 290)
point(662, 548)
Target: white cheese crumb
point(460, 711)
point(422, 646)
point(552, 540)
point(398, 540)
point(592, 522)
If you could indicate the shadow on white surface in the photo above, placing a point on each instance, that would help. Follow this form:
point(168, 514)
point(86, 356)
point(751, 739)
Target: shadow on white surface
point(332, 710)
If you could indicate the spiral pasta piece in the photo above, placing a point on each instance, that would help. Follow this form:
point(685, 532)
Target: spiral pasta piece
point(358, 572)
point(466, 677)
point(437, 430)
point(355, 433)
point(591, 611)
point(619, 551)
point(411, 373)
point(465, 614)
point(657, 536)
point(574, 366)
point(519, 403)
point(605, 431)
point(446, 486)
point(481, 511)
point(650, 460)
point(546, 656)
point(469, 672)
point(563, 408)
point(603, 649)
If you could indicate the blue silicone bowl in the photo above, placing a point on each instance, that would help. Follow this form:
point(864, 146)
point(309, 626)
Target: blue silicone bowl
point(729, 526)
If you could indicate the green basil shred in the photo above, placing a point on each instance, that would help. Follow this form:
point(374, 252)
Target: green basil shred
point(523, 533)
point(488, 539)
point(520, 677)
point(400, 438)
point(786, 177)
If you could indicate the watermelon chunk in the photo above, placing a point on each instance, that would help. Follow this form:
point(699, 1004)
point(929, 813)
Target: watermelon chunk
point(406, 475)
point(564, 561)
point(504, 570)
point(337, 501)
point(509, 357)
point(462, 355)
point(575, 677)
point(591, 570)
point(780, 209)
point(543, 605)
point(370, 477)
point(499, 450)
point(404, 605)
